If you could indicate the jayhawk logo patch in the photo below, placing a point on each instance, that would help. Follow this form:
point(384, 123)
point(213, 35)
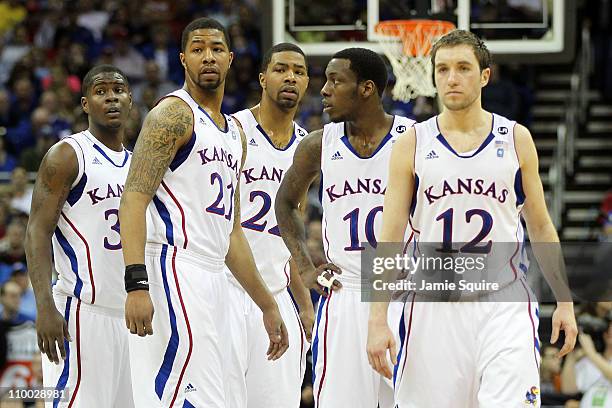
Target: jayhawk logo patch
point(531, 396)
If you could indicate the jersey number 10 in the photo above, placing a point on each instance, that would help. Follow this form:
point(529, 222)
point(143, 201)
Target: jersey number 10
point(353, 219)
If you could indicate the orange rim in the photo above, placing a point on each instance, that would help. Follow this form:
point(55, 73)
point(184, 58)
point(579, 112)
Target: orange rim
point(417, 35)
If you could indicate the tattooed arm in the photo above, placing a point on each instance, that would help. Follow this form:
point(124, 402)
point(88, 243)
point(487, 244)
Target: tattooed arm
point(305, 168)
point(301, 294)
point(166, 128)
point(57, 172)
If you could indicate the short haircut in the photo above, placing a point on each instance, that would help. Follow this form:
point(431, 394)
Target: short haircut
point(463, 37)
point(279, 48)
point(367, 65)
point(203, 22)
point(98, 69)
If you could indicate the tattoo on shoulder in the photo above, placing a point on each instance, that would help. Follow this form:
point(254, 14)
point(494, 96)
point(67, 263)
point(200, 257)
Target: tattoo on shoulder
point(50, 186)
point(305, 168)
point(157, 145)
point(308, 154)
point(314, 140)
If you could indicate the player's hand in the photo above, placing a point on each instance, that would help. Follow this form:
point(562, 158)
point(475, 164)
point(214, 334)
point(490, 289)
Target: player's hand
point(139, 312)
point(307, 318)
point(52, 329)
point(277, 332)
point(563, 319)
point(327, 272)
point(380, 339)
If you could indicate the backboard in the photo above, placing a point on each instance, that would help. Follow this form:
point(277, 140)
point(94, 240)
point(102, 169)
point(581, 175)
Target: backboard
point(534, 31)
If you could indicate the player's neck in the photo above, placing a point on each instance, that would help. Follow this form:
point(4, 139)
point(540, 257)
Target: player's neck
point(209, 100)
point(464, 120)
point(111, 138)
point(371, 126)
point(277, 123)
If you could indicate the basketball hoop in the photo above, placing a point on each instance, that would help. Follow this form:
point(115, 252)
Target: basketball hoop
point(407, 44)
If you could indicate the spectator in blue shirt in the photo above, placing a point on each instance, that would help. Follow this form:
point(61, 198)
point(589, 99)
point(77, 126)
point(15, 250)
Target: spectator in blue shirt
point(28, 303)
point(10, 299)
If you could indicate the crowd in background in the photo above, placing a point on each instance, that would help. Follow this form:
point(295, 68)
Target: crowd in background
point(47, 46)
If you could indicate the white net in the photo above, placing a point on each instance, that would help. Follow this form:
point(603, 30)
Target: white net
point(407, 45)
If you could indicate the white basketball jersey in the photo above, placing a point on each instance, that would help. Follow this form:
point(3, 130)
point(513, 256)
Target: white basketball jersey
point(352, 195)
point(471, 201)
point(193, 208)
point(263, 170)
point(86, 243)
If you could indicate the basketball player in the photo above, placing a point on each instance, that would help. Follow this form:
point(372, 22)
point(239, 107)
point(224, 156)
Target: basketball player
point(351, 154)
point(75, 213)
point(187, 161)
point(472, 173)
point(272, 137)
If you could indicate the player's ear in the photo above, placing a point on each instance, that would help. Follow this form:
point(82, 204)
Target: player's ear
point(484, 77)
point(85, 104)
point(231, 58)
point(182, 58)
point(262, 80)
point(367, 88)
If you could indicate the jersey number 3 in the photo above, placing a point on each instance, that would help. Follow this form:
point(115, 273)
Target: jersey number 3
point(115, 227)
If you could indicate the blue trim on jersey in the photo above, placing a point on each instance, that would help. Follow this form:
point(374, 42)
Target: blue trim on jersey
point(402, 334)
point(188, 404)
point(315, 343)
point(263, 132)
point(165, 216)
point(63, 379)
point(77, 191)
point(414, 194)
point(166, 368)
point(78, 144)
point(484, 144)
point(346, 141)
point(522, 266)
point(183, 153)
point(103, 153)
point(518, 188)
point(213, 122)
point(74, 264)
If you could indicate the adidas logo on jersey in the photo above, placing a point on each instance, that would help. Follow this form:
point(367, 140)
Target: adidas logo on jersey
point(431, 155)
point(96, 161)
point(336, 156)
point(202, 121)
point(190, 388)
point(252, 142)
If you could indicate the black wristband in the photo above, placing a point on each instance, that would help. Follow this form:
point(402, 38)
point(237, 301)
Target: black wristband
point(136, 278)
